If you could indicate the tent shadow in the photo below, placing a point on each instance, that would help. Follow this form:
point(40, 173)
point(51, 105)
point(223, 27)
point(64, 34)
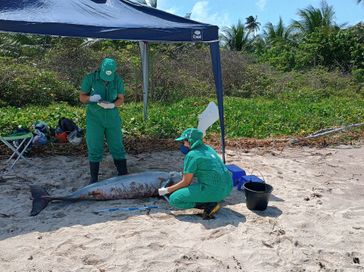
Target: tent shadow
point(223, 218)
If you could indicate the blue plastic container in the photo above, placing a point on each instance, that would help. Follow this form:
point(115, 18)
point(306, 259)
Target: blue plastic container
point(237, 173)
point(249, 178)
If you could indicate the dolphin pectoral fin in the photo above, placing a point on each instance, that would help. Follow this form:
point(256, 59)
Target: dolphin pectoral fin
point(39, 199)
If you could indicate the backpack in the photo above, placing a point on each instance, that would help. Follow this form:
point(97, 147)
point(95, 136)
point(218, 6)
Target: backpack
point(67, 125)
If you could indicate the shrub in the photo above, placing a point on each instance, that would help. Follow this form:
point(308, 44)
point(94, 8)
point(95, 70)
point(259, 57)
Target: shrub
point(180, 70)
point(22, 84)
point(318, 79)
point(358, 75)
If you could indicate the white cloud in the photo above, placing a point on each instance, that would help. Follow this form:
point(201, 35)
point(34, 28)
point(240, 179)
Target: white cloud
point(172, 10)
point(161, 3)
point(261, 4)
point(164, 5)
point(202, 13)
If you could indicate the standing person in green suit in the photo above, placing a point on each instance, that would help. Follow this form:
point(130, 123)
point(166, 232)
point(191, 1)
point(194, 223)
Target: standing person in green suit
point(103, 91)
point(214, 181)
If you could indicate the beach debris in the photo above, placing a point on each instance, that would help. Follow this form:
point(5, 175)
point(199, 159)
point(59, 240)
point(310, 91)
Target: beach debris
point(127, 209)
point(267, 245)
point(138, 185)
point(5, 177)
point(4, 215)
point(326, 131)
point(332, 130)
point(316, 195)
point(238, 264)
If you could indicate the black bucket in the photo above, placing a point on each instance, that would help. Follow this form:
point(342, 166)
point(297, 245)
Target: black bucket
point(257, 195)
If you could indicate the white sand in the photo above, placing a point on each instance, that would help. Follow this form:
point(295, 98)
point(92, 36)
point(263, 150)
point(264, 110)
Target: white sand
point(315, 219)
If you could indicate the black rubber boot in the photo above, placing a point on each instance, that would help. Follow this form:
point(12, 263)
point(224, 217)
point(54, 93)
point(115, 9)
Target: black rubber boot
point(94, 170)
point(121, 167)
point(200, 206)
point(210, 210)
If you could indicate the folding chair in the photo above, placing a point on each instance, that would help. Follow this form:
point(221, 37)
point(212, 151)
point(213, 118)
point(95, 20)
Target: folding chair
point(17, 150)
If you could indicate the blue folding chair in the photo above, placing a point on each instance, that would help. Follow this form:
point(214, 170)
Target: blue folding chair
point(24, 141)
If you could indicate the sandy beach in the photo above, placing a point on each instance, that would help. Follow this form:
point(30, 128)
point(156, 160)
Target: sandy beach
point(314, 222)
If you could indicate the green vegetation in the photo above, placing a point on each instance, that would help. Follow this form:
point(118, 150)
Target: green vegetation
point(300, 114)
point(290, 80)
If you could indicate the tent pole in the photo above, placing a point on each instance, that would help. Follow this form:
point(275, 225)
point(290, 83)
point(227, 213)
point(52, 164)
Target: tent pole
point(216, 67)
point(144, 52)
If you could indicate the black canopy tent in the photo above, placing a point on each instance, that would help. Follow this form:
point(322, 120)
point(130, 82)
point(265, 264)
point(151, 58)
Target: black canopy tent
point(115, 20)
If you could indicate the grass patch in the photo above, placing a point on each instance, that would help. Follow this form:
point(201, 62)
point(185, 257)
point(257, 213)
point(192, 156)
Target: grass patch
point(254, 118)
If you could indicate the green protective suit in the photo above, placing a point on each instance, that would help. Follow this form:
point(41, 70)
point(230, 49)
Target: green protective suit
point(214, 181)
point(103, 123)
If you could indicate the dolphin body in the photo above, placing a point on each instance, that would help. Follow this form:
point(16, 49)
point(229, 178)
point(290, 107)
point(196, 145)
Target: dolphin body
point(138, 185)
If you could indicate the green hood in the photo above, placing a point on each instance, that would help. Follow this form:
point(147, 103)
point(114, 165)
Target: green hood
point(192, 135)
point(108, 69)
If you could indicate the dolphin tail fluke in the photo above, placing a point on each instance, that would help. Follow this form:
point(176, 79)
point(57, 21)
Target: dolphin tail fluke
point(40, 199)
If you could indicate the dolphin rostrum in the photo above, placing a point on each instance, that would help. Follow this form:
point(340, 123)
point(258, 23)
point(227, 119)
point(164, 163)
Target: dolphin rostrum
point(138, 185)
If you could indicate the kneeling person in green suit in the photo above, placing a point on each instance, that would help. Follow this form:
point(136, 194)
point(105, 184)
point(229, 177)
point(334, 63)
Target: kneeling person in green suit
point(214, 181)
point(103, 91)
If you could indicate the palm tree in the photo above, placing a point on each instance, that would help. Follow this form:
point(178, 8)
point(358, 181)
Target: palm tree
point(313, 18)
point(252, 24)
point(188, 15)
point(277, 33)
point(236, 37)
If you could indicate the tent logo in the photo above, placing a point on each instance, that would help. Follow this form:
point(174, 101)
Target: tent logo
point(197, 35)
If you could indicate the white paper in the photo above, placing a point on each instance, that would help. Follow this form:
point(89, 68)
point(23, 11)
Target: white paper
point(208, 117)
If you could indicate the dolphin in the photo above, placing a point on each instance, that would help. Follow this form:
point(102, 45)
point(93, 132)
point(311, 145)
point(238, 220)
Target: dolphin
point(138, 185)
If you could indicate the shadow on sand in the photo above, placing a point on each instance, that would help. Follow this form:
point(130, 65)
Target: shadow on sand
point(223, 218)
point(15, 219)
point(271, 211)
point(58, 215)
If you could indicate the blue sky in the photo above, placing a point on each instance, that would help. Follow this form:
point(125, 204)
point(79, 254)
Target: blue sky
point(228, 12)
